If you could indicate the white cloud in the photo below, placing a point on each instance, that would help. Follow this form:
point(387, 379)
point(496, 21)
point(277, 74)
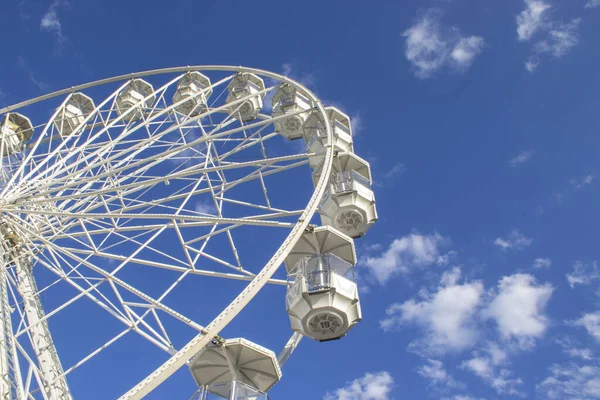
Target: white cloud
point(499, 379)
point(51, 22)
point(514, 241)
point(532, 64)
point(390, 176)
point(41, 85)
point(408, 252)
point(205, 208)
point(435, 372)
point(521, 158)
point(583, 274)
point(592, 3)
point(542, 263)
point(570, 348)
point(466, 50)
point(561, 39)
point(487, 364)
point(431, 46)
point(518, 308)
point(307, 79)
point(585, 354)
point(447, 317)
point(591, 322)
point(582, 182)
point(461, 397)
point(556, 38)
point(372, 386)
point(532, 19)
point(357, 124)
point(571, 382)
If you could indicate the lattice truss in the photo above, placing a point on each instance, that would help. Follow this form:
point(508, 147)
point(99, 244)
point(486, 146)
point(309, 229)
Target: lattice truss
point(112, 218)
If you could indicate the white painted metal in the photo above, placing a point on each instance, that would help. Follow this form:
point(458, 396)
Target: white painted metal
point(54, 383)
point(289, 348)
point(100, 194)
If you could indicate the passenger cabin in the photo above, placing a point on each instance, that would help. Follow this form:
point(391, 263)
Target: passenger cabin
point(138, 94)
point(195, 87)
point(294, 105)
point(235, 369)
point(349, 202)
point(242, 94)
point(315, 134)
point(322, 295)
point(71, 117)
point(16, 129)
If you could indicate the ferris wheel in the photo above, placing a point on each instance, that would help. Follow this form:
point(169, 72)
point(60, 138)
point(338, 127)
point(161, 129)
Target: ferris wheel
point(136, 208)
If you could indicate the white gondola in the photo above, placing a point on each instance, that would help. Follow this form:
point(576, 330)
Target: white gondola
point(73, 114)
point(16, 129)
point(197, 88)
point(315, 134)
point(322, 297)
point(349, 202)
point(235, 369)
point(138, 93)
point(288, 101)
point(245, 85)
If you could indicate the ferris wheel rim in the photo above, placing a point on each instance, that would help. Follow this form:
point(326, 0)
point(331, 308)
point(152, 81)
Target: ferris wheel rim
point(260, 279)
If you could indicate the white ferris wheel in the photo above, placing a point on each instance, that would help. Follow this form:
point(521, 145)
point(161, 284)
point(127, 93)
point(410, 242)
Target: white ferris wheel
point(152, 207)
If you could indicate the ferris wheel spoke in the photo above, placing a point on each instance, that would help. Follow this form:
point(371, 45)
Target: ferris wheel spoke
point(272, 163)
point(134, 150)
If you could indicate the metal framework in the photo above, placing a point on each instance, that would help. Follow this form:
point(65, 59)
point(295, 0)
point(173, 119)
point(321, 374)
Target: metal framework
point(89, 213)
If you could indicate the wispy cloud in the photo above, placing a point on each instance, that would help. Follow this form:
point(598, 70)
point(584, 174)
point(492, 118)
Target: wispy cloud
point(571, 381)
point(541, 263)
point(583, 274)
point(532, 64)
point(521, 158)
point(307, 79)
point(431, 46)
point(574, 351)
point(357, 124)
point(390, 176)
point(580, 183)
point(372, 386)
point(41, 85)
point(404, 254)
point(498, 378)
point(206, 208)
point(560, 40)
point(532, 18)
point(437, 375)
point(51, 23)
point(591, 322)
point(555, 38)
point(592, 4)
point(514, 241)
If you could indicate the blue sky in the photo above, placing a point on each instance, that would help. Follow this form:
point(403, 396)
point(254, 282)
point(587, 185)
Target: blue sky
point(481, 122)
